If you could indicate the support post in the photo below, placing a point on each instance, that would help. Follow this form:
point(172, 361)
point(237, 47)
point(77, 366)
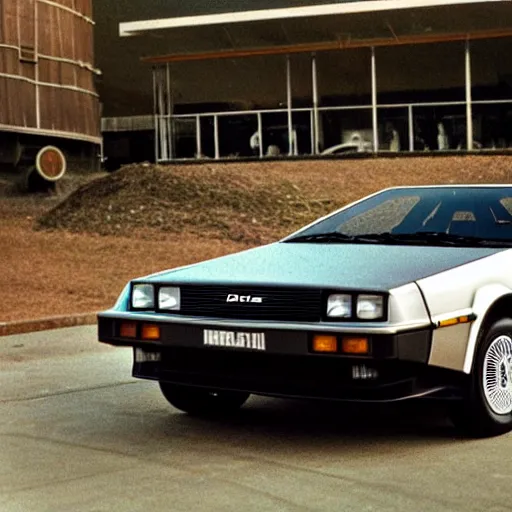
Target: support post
point(316, 121)
point(169, 119)
point(312, 130)
point(289, 104)
point(162, 122)
point(155, 117)
point(375, 119)
point(411, 128)
point(216, 136)
point(260, 134)
point(36, 51)
point(469, 106)
point(199, 148)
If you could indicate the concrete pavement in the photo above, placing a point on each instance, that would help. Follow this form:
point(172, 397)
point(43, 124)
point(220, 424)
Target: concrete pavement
point(77, 433)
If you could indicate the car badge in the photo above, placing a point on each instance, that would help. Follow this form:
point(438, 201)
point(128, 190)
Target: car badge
point(244, 299)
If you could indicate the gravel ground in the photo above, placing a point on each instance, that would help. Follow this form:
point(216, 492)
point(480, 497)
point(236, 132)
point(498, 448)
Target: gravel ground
point(73, 252)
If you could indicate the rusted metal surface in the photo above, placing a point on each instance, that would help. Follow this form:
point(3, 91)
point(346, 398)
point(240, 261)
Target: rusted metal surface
point(47, 68)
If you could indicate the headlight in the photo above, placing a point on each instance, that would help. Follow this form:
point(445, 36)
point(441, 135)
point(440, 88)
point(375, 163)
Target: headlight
point(169, 299)
point(370, 307)
point(143, 296)
point(339, 306)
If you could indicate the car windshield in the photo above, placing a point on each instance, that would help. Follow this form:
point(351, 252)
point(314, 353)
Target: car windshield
point(469, 216)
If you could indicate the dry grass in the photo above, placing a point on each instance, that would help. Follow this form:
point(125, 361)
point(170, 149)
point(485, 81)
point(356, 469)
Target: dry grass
point(221, 208)
point(49, 274)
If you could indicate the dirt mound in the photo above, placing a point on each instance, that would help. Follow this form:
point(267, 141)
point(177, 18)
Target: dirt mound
point(250, 202)
point(227, 204)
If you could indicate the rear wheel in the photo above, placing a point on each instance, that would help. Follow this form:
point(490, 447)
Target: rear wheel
point(203, 402)
point(487, 407)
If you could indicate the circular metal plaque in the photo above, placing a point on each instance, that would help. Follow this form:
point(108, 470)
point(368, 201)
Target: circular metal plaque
point(51, 163)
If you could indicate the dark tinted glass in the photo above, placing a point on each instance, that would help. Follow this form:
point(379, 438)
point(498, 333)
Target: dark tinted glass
point(484, 212)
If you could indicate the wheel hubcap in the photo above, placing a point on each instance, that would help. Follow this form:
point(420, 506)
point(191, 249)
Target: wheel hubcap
point(497, 378)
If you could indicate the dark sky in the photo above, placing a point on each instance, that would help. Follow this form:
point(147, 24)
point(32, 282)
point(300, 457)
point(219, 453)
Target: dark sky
point(168, 8)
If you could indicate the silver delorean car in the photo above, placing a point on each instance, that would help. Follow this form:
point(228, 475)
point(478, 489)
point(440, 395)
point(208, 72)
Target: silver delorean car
point(404, 294)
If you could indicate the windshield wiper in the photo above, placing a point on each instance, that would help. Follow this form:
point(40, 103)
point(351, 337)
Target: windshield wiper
point(337, 237)
point(329, 237)
point(435, 237)
point(422, 238)
point(450, 239)
point(378, 238)
point(386, 238)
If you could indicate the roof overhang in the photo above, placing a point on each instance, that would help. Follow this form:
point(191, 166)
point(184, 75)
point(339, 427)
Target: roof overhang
point(322, 27)
point(143, 27)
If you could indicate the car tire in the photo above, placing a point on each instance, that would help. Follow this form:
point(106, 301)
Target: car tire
point(486, 409)
point(203, 402)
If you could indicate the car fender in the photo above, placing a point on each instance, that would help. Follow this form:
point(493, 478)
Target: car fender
point(123, 301)
point(469, 289)
point(485, 298)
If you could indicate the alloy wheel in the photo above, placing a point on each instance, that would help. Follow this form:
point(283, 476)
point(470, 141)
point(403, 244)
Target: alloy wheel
point(497, 375)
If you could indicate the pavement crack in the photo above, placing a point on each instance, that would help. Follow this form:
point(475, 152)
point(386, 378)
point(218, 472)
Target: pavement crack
point(42, 396)
point(65, 481)
point(273, 497)
point(361, 482)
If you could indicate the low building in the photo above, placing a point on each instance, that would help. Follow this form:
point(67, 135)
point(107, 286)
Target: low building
point(304, 78)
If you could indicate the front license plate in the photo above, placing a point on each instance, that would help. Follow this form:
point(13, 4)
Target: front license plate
point(141, 356)
point(237, 340)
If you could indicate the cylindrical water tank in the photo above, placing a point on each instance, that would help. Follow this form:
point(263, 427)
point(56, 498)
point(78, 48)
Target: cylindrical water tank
point(47, 91)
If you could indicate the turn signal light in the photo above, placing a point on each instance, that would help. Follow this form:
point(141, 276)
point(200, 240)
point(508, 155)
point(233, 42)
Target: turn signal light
point(128, 330)
point(325, 344)
point(456, 321)
point(150, 332)
point(357, 346)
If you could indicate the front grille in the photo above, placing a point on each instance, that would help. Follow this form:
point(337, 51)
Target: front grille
point(291, 304)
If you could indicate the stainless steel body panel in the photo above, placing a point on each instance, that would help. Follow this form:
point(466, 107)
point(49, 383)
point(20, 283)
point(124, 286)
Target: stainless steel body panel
point(472, 287)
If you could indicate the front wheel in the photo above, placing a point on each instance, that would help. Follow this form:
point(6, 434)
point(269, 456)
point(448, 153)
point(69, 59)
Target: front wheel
point(202, 402)
point(487, 406)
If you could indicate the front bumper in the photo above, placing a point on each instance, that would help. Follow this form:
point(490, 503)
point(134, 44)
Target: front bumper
point(413, 345)
point(396, 368)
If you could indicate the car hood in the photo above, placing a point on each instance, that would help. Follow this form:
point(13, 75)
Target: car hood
point(350, 266)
